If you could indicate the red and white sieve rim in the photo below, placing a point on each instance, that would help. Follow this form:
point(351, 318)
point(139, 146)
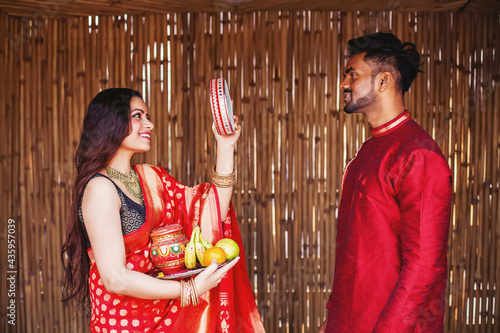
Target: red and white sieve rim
point(222, 109)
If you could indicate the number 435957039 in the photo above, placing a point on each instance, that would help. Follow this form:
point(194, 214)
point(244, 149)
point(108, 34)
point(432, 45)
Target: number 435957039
point(11, 252)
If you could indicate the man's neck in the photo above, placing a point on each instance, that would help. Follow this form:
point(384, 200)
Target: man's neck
point(382, 113)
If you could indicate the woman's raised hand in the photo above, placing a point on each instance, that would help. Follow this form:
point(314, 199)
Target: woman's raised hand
point(212, 276)
point(230, 139)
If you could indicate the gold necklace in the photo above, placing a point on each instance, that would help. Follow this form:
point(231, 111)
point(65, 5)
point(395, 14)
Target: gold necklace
point(130, 181)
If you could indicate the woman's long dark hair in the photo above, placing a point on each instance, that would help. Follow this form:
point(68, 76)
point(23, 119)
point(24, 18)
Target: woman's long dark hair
point(106, 124)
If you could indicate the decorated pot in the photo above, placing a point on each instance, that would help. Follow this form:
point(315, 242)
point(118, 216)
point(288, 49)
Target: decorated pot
point(167, 248)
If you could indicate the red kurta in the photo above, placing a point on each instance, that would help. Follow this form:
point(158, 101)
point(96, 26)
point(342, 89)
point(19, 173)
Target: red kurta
point(390, 265)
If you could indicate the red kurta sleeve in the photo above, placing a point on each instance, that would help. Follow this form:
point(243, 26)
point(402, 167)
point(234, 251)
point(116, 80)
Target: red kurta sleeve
point(423, 189)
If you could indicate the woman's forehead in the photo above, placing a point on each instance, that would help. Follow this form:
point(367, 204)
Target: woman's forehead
point(138, 103)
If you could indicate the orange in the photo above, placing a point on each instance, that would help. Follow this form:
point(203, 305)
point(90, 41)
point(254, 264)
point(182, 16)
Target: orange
point(214, 253)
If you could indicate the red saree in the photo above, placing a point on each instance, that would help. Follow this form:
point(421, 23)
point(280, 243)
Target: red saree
point(220, 310)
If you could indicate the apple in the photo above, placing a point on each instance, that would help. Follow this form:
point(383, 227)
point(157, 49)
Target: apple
point(230, 247)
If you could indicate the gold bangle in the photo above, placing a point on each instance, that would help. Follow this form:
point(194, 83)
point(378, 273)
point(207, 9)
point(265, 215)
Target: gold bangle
point(223, 184)
point(232, 175)
point(223, 181)
point(188, 293)
point(194, 295)
point(182, 293)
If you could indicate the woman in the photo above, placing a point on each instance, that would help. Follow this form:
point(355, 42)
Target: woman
point(115, 207)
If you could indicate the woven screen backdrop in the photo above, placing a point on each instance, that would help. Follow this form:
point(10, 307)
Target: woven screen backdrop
point(283, 71)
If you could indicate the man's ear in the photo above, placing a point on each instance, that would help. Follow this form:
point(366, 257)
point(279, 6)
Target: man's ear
point(384, 81)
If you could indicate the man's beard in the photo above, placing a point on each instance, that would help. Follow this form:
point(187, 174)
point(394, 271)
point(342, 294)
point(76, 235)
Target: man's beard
point(361, 103)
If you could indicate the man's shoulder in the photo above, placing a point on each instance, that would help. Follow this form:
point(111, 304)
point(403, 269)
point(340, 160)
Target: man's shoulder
point(415, 138)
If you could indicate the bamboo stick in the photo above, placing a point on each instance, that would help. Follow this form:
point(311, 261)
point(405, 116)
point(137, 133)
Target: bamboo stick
point(462, 187)
point(324, 217)
point(301, 161)
point(267, 157)
point(6, 162)
point(483, 192)
point(41, 175)
point(495, 95)
point(256, 223)
point(292, 122)
point(282, 156)
point(496, 196)
point(24, 261)
point(453, 253)
point(16, 53)
point(249, 35)
point(335, 164)
point(54, 73)
point(473, 290)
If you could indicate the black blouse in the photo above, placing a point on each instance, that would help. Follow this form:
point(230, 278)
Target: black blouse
point(132, 214)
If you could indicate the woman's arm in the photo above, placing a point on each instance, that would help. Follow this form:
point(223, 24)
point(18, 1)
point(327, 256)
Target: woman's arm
point(225, 163)
point(100, 209)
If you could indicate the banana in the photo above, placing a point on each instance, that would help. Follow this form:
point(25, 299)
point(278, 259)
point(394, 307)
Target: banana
point(190, 252)
point(205, 243)
point(200, 249)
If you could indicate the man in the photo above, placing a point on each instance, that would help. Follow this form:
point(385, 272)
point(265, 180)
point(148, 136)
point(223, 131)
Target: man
point(390, 266)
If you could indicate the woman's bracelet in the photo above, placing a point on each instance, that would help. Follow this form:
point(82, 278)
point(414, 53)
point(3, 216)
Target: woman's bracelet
point(182, 292)
point(189, 294)
point(223, 180)
point(194, 295)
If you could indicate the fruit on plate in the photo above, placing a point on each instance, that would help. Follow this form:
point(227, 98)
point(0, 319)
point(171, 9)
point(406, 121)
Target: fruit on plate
point(190, 252)
point(214, 253)
point(196, 248)
point(230, 247)
point(205, 243)
point(200, 249)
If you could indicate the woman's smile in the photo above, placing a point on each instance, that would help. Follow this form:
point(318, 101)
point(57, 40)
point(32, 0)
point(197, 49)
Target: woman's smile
point(146, 135)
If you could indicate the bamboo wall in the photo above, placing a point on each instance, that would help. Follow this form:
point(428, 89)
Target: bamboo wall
point(283, 70)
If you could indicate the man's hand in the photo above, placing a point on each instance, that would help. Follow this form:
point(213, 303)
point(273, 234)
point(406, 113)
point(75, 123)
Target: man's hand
point(322, 329)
